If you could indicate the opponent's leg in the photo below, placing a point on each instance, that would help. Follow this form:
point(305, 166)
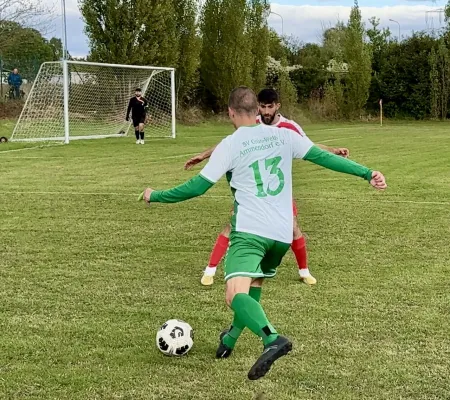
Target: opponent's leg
point(298, 247)
point(218, 252)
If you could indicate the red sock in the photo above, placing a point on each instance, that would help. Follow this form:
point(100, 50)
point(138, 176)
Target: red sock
point(298, 246)
point(219, 250)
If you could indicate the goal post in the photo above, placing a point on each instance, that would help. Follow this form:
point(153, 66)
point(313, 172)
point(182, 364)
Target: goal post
point(72, 100)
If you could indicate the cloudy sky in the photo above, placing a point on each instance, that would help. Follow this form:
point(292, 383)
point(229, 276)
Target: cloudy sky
point(302, 18)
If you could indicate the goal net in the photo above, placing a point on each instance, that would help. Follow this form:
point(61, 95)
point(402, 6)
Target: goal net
point(82, 100)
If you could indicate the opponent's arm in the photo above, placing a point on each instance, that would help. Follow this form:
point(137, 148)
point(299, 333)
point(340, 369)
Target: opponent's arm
point(325, 147)
point(199, 158)
point(339, 151)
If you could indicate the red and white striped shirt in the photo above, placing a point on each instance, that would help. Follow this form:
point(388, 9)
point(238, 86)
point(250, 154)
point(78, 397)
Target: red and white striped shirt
point(283, 122)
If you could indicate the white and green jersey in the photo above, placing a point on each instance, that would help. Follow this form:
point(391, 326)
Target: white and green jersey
point(258, 161)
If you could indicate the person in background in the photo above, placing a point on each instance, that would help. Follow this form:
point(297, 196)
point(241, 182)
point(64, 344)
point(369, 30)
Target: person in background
point(137, 106)
point(15, 81)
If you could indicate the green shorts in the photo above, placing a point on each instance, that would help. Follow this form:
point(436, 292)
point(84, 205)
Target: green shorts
point(253, 256)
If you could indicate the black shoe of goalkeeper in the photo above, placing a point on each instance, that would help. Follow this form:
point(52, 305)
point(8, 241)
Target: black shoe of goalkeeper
point(272, 352)
point(223, 351)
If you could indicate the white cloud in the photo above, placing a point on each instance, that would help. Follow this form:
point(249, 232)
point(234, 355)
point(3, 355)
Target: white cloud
point(77, 42)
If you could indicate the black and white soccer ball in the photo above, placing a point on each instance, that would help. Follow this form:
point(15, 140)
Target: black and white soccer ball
point(175, 338)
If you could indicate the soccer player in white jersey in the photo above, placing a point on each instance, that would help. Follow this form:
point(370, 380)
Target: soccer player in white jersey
point(257, 160)
point(269, 105)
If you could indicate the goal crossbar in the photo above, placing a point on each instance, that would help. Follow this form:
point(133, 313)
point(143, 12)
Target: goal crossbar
point(96, 64)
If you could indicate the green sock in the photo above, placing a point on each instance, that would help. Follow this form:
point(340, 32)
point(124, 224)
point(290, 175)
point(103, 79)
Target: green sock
point(250, 312)
point(237, 325)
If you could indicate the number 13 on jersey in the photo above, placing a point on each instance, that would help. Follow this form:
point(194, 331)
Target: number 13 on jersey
point(271, 163)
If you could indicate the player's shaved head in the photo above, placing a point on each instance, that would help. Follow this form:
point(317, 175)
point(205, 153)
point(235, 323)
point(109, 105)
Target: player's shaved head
point(243, 101)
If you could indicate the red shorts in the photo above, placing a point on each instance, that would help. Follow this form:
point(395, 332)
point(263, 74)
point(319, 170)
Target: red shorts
point(294, 209)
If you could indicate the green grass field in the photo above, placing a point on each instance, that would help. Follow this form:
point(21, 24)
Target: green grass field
point(88, 274)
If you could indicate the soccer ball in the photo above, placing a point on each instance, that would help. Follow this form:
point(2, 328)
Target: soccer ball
point(175, 338)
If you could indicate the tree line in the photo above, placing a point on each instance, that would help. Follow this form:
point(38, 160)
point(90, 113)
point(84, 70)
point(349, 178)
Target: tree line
point(228, 42)
point(25, 48)
point(225, 43)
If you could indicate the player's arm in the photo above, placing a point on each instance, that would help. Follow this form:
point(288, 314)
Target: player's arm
point(331, 161)
point(305, 149)
point(217, 166)
point(127, 117)
point(199, 158)
point(194, 187)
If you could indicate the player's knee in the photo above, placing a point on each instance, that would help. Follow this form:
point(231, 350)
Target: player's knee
point(235, 286)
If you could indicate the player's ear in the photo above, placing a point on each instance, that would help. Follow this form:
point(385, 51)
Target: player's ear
point(230, 112)
point(277, 106)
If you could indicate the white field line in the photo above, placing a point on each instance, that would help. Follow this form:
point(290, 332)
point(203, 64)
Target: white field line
point(338, 140)
point(31, 148)
point(189, 137)
point(343, 129)
point(150, 161)
point(71, 158)
point(220, 137)
point(389, 201)
point(347, 128)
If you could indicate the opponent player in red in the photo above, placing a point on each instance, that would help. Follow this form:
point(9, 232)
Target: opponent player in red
point(269, 105)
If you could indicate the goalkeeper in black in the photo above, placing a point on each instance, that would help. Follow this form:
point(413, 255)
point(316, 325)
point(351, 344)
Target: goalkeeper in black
point(138, 108)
